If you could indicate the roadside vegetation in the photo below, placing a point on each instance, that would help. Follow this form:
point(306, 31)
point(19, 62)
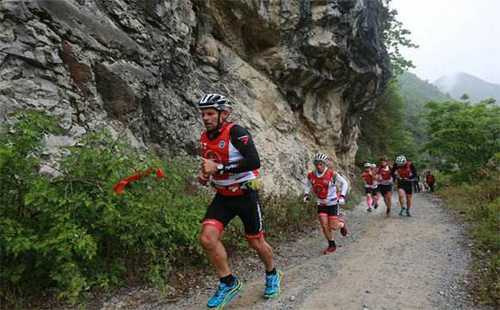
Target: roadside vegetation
point(70, 235)
point(464, 146)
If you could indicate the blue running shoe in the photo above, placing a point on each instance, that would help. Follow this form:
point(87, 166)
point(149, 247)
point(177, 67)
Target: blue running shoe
point(402, 212)
point(273, 285)
point(408, 212)
point(224, 295)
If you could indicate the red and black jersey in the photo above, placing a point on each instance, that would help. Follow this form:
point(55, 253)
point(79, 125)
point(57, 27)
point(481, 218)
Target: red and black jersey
point(323, 186)
point(430, 179)
point(369, 179)
point(384, 175)
point(233, 146)
point(405, 172)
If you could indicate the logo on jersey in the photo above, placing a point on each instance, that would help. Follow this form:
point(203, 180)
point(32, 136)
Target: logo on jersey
point(318, 189)
point(209, 154)
point(222, 144)
point(244, 139)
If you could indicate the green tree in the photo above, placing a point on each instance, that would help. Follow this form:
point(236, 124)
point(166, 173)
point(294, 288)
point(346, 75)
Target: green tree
point(463, 137)
point(382, 129)
point(394, 36)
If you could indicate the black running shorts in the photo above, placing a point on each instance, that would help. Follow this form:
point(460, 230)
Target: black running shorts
point(246, 207)
point(384, 189)
point(407, 186)
point(329, 210)
point(372, 191)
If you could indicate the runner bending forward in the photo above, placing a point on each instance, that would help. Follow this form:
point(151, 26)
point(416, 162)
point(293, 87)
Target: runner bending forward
point(322, 181)
point(405, 172)
point(231, 160)
point(371, 187)
point(385, 181)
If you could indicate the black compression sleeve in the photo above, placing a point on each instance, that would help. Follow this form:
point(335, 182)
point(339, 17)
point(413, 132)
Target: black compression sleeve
point(413, 172)
point(243, 142)
point(393, 171)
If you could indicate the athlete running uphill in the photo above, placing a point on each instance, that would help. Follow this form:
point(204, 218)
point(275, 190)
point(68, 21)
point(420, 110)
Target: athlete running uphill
point(430, 179)
point(231, 160)
point(322, 181)
point(405, 172)
point(385, 181)
point(371, 186)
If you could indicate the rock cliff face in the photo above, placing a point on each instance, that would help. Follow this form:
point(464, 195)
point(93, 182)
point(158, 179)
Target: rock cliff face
point(298, 71)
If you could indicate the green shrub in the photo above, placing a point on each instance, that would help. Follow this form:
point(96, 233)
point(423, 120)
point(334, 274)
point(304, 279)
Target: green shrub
point(72, 232)
point(479, 201)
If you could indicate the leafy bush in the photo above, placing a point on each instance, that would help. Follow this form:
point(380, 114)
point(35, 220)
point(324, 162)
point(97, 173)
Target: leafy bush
point(480, 202)
point(463, 137)
point(72, 232)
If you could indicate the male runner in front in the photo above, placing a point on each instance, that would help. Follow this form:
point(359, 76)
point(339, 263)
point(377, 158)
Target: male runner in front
point(231, 160)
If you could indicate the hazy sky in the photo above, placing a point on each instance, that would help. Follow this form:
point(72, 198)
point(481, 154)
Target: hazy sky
point(454, 36)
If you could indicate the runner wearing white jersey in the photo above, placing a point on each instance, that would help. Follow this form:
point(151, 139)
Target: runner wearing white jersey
point(322, 182)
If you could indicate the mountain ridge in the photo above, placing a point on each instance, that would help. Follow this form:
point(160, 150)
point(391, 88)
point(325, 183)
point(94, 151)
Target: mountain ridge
point(461, 83)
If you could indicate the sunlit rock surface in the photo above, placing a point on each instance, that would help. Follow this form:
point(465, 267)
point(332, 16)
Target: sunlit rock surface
point(298, 72)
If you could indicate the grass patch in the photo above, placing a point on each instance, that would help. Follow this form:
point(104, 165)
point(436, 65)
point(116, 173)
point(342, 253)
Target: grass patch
point(480, 204)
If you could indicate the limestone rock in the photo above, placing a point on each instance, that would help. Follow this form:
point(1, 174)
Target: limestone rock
point(298, 71)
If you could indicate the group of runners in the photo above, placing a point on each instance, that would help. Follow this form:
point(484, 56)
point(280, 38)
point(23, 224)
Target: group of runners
point(230, 163)
point(380, 179)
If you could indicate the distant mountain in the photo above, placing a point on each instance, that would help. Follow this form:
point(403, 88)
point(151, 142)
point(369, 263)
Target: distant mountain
point(462, 83)
point(416, 92)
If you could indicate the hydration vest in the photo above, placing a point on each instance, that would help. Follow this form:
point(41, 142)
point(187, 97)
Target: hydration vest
point(221, 150)
point(324, 187)
point(369, 179)
point(385, 176)
point(405, 171)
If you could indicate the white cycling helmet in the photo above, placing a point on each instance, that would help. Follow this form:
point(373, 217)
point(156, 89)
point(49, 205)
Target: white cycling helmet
point(320, 157)
point(373, 165)
point(400, 160)
point(216, 101)
point(367, 165)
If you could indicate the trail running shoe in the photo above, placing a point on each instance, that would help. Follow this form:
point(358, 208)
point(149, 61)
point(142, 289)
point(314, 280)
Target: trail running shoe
point(402, 212)
point(273, 285)
point(408, 212)
point(388, 213)
point(369, 209)
point(224, 294)
point(343, 230)
point(330, 249)
point(376, 206)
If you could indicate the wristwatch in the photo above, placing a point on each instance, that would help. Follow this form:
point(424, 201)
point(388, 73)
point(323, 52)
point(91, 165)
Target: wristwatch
point(220, 168)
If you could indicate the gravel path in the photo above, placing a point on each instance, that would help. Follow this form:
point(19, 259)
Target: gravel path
point(396, 263)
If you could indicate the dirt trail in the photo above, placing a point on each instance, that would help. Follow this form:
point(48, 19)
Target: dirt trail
point(395, 263)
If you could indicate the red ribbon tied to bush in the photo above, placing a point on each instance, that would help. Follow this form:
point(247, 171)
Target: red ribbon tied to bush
point(120, 186)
